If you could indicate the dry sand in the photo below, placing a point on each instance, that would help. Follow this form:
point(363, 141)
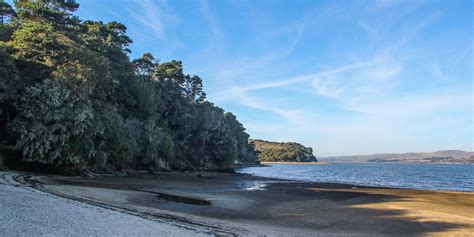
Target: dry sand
point(248, 205)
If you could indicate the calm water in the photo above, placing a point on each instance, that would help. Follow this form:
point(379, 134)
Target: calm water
point(417, 176)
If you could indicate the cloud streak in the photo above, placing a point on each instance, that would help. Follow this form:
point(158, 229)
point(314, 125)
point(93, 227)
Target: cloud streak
point(363, 89)
point(298, 79)
point(156, 16)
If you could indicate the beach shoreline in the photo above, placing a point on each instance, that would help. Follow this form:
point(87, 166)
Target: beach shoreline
point(250, 205)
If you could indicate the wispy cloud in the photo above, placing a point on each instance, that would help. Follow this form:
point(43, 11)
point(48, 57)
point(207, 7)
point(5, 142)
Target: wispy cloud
point(206, 12)
point(367, 87)
point(297, 79)
point(293, 116)
point(352, 95)
point(297, 39)
point(352, 78)
point(156, 16)
point(215, 39)
point(382, 66)
point(389, 120)
point(289, 34)
point(346, 83)
point(414, 30)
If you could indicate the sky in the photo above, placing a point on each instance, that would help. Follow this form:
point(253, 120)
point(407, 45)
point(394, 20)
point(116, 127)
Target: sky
point(344, 77)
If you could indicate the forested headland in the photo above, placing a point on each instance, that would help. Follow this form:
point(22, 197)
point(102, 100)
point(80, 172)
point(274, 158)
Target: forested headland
point(72, 100)
point(283, 152)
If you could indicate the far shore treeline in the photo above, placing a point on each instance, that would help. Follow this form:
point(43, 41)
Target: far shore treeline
point(71, 100)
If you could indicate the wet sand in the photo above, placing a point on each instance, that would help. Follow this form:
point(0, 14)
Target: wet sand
point(247, 205)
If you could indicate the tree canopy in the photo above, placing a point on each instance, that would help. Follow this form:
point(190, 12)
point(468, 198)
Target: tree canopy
point(283, 152)
point(71, 98)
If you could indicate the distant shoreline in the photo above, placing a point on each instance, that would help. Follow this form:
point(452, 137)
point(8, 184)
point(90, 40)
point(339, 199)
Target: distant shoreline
point(394, 162)
point(294, 163)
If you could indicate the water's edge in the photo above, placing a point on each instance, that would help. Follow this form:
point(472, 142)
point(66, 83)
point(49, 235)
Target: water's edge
point(452, 177)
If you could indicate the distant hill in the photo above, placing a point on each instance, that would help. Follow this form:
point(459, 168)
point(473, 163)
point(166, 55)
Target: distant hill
point(445, 156)
point(284, 152)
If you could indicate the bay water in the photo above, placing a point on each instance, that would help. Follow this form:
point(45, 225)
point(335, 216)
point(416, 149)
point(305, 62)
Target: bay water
point(456, 177)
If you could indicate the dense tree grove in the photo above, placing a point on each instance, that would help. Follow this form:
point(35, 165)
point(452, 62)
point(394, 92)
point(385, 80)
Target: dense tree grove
point(283, 152)
point(70, 98)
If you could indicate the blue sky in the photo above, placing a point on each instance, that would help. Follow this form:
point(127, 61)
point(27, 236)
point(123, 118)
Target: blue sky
point(345, 77)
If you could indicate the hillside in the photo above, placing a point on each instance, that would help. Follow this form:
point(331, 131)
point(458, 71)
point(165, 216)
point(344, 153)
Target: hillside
point(72, 99)
point(283, 152)
point(445, 156)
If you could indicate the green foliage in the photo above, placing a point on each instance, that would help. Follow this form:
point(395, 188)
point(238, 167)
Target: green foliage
point(6, 12)
point(37, 42)
point(9, 78)
point(56, 126)
point(11, 85)
point(7, 16)
point(284, 152)
point(71, 98)
point(56, 12)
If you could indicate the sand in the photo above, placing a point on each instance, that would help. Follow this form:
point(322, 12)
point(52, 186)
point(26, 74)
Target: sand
point(25, 211)
point(245, 205)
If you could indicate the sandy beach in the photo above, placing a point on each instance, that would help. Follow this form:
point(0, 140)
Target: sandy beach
point(245, 205)
point(26, 211)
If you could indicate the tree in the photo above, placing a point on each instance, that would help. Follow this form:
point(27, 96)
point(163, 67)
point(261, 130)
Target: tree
point(170, 72)
point(193, 89)
point(145, 66)
point(56, 126)
point(6, 13)
point(290, 151)
point(9, 84)
point(56, 12)
point(10, 88)
point(71, 98)
point(59, 127)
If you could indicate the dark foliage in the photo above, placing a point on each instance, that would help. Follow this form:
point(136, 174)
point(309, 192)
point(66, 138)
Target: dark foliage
point(71, 99)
